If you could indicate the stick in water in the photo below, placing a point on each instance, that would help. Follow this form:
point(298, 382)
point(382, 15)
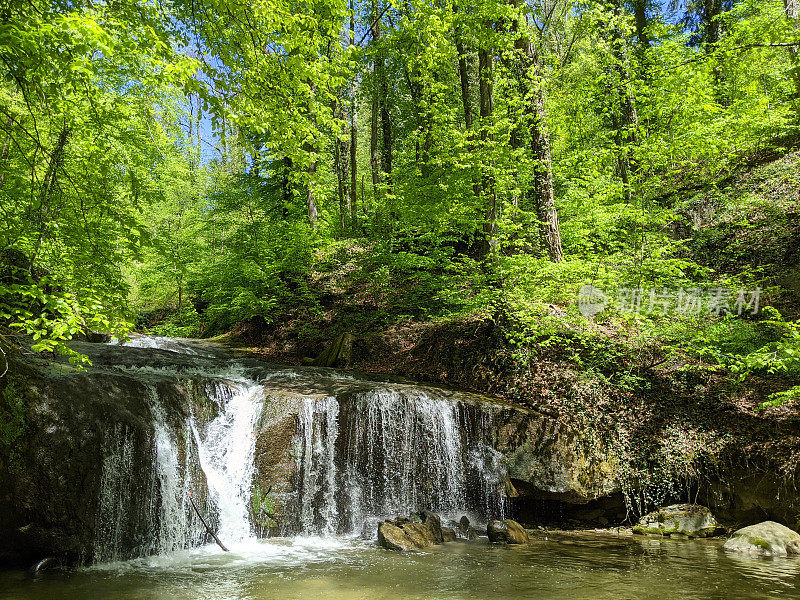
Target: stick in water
point(208, 529)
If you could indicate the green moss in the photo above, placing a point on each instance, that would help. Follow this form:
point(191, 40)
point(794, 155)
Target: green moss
point(759, 542)
point(642, 530)
point(261, 507)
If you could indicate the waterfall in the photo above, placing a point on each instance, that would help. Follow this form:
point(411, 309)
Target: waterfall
point(225, 448)
point(365, 453)
point(116, 477)
point(144, 506)
point(386, 452)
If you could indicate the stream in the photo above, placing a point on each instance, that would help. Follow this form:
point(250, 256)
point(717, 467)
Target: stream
point(563, 566)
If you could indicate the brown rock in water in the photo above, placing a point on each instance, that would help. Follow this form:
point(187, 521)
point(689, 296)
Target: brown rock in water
point(463, 524)
point(434, 523)
point(507, 532)
point(393, 537)
point(404, 535)
point(448, 534)
point(691, 520)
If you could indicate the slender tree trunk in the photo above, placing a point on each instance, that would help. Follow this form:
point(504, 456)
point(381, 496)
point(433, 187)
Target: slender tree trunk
point(463, 78)
point(311, 202)
point(527, 57)
point(4, 153)
point(386, 130)
point(624, 118)
point(488, 191)
point(341, 163)
point(792, 8)
point(374, 157)
point(311, 148)
point(286, 186)
point(353, 135)
point(49, 183)
point(383, 101)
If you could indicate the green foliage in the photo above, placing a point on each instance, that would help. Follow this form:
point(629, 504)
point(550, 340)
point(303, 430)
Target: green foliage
point(192, 160)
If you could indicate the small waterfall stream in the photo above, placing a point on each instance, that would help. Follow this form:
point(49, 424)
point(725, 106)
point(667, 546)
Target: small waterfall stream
point(364, 452)
point(383, 453)
point(225, 450)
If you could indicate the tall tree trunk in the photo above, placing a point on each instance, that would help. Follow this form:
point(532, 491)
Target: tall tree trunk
point(624, 118)
point(49, 183)
point(640, 17)
point(286, 186)
point(383, 96)
point(792, 8)
point(488, 191)
point(311, 148)
point(374, 157)
point(341, 163)
point(386, 130)
point(543, 180)
point(6, 149)
point(463, 77)
point(527, 57)
point(353, 134)
point(311, 202)
point(711, 24)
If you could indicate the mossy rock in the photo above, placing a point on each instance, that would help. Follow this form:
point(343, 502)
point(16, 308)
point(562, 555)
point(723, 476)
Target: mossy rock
point(691, 520)
point(768, 538)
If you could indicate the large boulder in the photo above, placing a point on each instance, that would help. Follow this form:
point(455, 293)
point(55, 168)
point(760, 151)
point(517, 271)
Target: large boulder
point(507, 532)
point(768, 538)
point(691, 520)
point(404, 535)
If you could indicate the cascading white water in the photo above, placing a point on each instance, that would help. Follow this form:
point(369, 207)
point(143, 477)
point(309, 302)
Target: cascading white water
point(225, 449)
point(391, 452)
point(115, 484)
point(361, 455)
point(177, 526)
point(319, 429)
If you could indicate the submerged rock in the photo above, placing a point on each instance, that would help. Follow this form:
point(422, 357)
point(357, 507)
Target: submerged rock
point(768, 538)
point(507, 532)
point(691, 520)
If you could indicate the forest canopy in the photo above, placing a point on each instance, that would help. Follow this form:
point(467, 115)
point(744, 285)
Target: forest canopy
point(191, 165)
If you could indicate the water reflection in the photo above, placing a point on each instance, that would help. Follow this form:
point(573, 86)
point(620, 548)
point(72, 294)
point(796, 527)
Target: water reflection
point(596, 567)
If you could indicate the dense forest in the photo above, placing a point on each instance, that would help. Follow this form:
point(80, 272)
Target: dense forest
point(186, 167)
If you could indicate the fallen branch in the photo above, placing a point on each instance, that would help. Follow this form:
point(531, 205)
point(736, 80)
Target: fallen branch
point(208, 529)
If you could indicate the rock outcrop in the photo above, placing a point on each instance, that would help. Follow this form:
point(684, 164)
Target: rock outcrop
point(691, 520)
point(768, 538)
point(507, 532)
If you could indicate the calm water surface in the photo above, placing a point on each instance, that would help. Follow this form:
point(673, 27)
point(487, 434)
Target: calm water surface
point(573, 567)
